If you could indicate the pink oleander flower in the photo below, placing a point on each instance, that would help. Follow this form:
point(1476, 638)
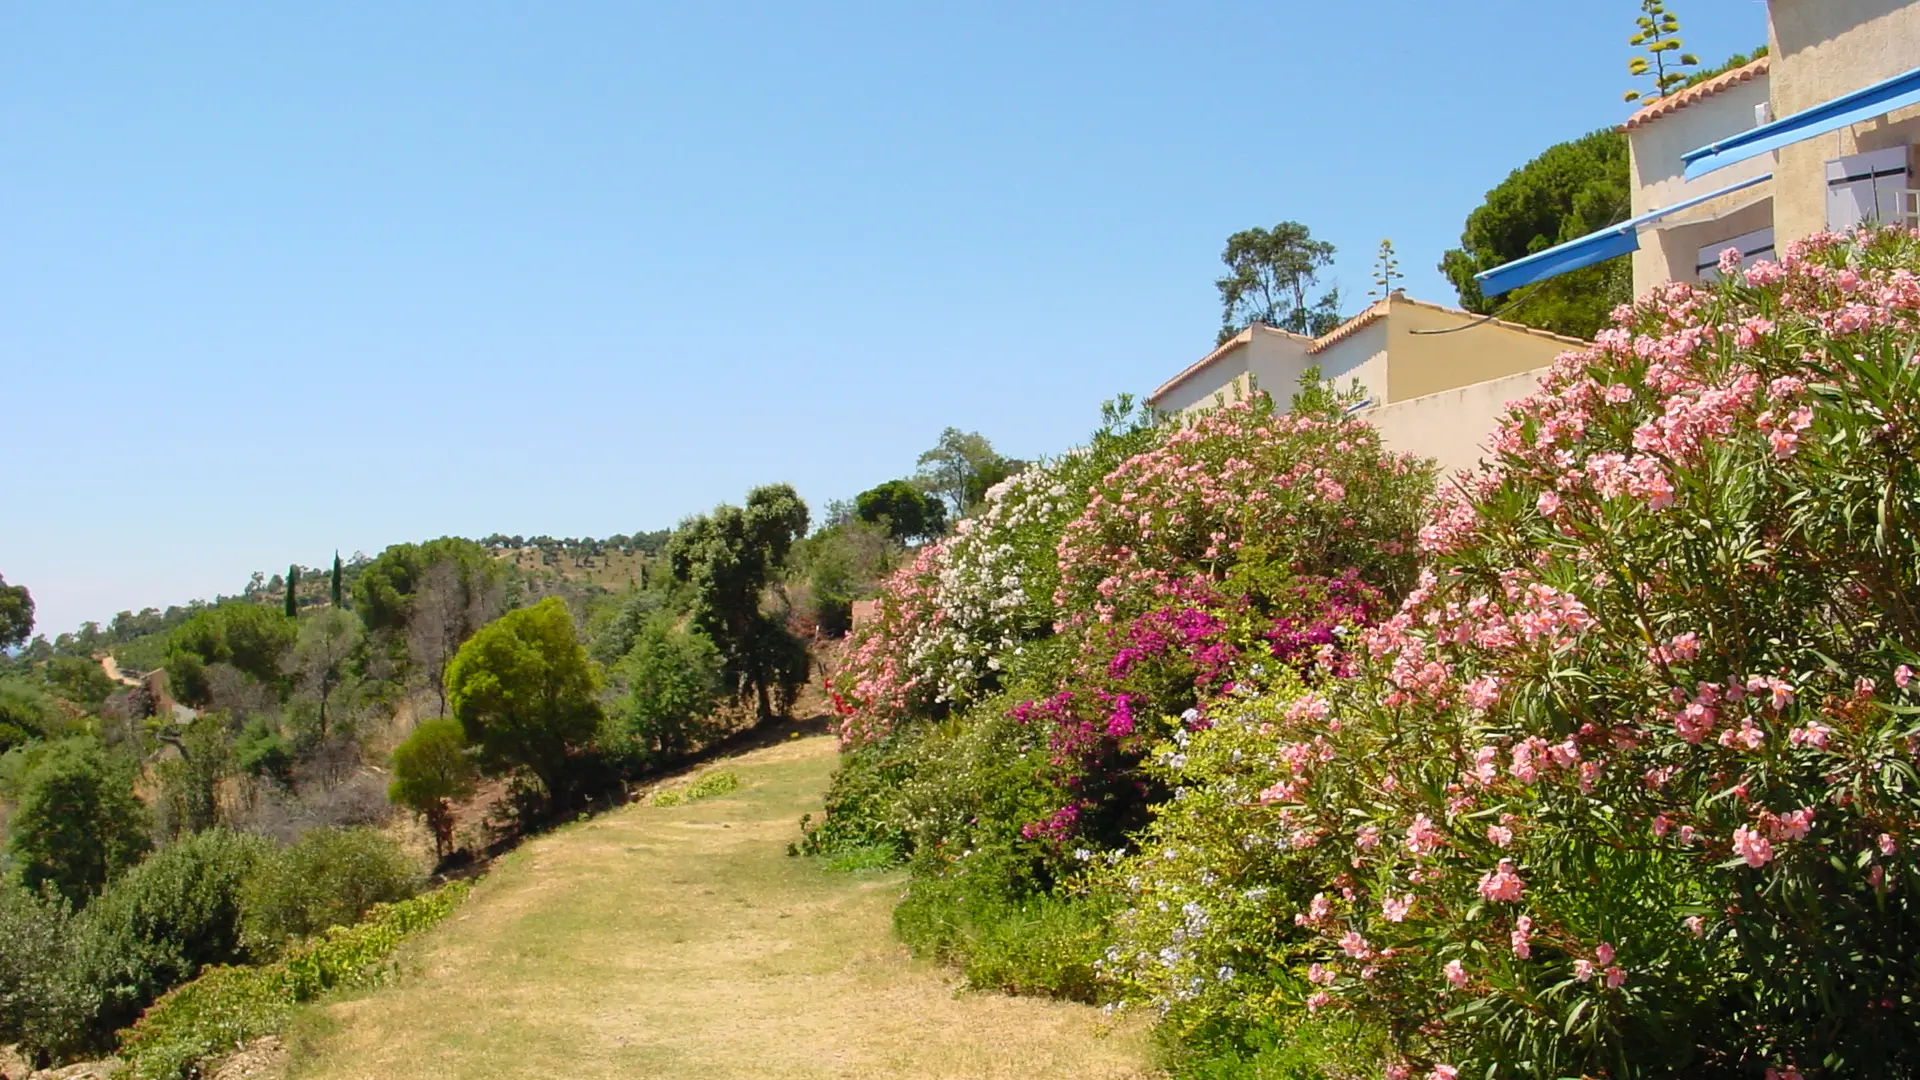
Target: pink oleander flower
point(1751, 846)
point(1456, 974)
point(1398, 1070)
point(1320, 999)
point(1548, 504)
point(1887, 844)
point(1367, 837)
point(1499, 835)
point(1355, 946)
point(1616, 977)
point(1521, 937)
point(1695, 925)
point(1444, 1072)
point(1396, 908)
point(1422, 837)
point(1321, 975)
point(1660, 826)
point(1583, 970)
point(1603, 954)
point(1502, 884)
point(1902, 675)
point(1813, 733)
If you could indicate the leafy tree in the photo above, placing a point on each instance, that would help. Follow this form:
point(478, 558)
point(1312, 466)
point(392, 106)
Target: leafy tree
point(907, 513)
point(190, 783)
point(446, 607)
point(16, 614)
point(263, 751)
point(384, 591)
point(728, 558)
point(26, 714)
point(1570, 190)
point(1271, 274)
point(80, 680)
point(1659, 31)
point(248, 637)
point(78, 822)
point(322, 654)
point(960, 469)
point(673, 677)
point(430, 770)
point(524, 692)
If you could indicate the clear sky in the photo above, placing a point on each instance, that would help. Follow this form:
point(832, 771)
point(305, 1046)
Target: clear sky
point(277, 279)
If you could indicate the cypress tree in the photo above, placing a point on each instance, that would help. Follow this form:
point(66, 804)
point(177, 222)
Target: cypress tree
point(293, 598)
point(333, 587)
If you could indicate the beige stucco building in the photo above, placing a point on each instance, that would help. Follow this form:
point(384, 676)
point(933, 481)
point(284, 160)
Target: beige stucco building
point(1818, 135)
point(1435, 379)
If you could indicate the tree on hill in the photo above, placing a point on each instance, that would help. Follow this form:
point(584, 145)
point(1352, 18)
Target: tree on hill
point(327, 643)
point(1271, 276)
point(526, 695)
point(334, 593)
point(1570, 190)
point(728, 558)
point(245, 636)
point(960, 468)
point(430, 770)
point(905, 511)
point(673, 677)
point(293, 591)
point(383, 595)
point(16, 614)
point(78, 822)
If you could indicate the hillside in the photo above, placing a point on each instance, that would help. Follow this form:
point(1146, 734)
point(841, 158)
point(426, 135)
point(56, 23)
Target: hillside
point(684, 942)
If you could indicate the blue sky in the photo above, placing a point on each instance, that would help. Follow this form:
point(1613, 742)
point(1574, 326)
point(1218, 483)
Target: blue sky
point(278, 279)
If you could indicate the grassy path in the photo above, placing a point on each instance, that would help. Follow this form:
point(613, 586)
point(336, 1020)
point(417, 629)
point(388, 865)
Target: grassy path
point(684, 942)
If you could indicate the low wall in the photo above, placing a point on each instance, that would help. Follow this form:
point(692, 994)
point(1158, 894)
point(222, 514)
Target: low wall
point(1452, 426)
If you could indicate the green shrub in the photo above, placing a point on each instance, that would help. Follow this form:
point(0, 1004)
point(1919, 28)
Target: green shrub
point(1044, 945)
point(673, 681)
point(706, 787)
point(431, 769)
point(330, 878)
point(230, 1005)
point(78, 822)
point(37, 993)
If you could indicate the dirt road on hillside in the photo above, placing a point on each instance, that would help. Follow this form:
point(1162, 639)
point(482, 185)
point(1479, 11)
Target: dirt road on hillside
point(685, 942)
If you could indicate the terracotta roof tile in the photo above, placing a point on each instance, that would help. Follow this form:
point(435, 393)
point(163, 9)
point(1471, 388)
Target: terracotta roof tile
point(1680, 99)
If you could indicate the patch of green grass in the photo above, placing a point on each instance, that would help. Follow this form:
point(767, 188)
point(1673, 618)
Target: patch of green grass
point(1040, 945)
point(871, 857)
point(706, 787)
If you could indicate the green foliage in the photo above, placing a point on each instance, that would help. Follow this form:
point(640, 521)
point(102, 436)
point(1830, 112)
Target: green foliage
point(16, 615)
point(673, 679)
point(37, 999)
point(525, 693)
point(335, 594)
point(728, 558)
point(1658, 35)
point(323, 656)
point(709, 785)
point(330, 878)
point(1570, 190)
point(1044, 945)
point(905, 511)
point(189, 782)
point(26, 713)
point(1271, 274)
point(959, 469)
point(78, 822)
point(246, 636)
point(430, 770)
point(384, 593)
point(261, 750)
point(228, 1006)
point(615, 637)
point(292, 605)
point(79, 680)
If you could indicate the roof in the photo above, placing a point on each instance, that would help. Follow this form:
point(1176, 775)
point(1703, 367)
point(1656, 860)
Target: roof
point(1374, 312)
point(1244, 337)
point(1866, 103)
point(1680, 99)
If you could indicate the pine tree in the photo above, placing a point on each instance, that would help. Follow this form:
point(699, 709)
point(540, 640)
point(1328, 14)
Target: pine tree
point(333, 585)
point(1659, 33)
point(293, 597)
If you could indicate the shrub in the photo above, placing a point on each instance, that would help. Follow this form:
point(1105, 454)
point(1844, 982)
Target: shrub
point(78, 822)
point(331, 877)
point(1041, 944)
point(673, 680)
point(1628, 784)
point(524, 692)
point(430, 770)
point(38, 997)
point(231, 1005)
point(708, 786)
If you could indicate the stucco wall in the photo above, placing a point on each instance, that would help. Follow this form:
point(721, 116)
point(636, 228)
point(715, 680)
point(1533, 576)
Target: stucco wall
point(1360, 355)
point(1659, 180)
point(1821, 50)
point(1668, 254)
point(1427, 363)
point(1452, 426)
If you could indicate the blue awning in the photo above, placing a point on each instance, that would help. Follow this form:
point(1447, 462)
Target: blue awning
point(1592, 248)
point(1865, 104)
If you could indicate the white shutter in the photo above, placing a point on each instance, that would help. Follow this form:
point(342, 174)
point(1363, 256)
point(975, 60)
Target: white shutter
point(1753, 247)
point(1866, 188)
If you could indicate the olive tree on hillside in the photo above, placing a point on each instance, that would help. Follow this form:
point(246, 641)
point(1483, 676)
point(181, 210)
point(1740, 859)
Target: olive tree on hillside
point(526, 695)
point(16, 614)
point(728, 558)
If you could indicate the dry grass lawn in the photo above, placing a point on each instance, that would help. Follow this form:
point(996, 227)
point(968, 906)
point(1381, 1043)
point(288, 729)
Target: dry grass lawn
point(684, 942)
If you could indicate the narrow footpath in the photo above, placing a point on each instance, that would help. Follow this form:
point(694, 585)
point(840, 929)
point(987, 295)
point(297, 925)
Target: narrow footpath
point(684, 942)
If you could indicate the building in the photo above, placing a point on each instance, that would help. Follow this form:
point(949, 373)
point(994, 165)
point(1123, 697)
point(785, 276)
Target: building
point(1816, 136)
point(1435, 379)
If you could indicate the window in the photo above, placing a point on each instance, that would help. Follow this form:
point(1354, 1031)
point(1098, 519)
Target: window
point(1867, 188)
point(1753, 246)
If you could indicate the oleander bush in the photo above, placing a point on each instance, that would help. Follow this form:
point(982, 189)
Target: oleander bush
point(1627, 786)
